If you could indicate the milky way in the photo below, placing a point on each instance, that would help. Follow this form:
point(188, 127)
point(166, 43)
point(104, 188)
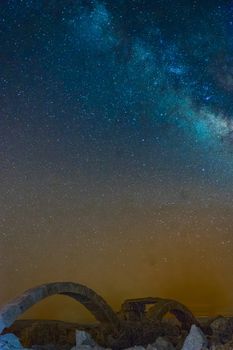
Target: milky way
point(116, 148)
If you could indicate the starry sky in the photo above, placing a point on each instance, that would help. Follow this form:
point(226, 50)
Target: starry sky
point(116, 151)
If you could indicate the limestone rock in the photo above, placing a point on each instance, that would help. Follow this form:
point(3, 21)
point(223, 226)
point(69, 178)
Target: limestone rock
point(218, 324)
point(150, 347)
point(162, 344)
point(136, 347)
point(222, 329)
point(9, 342)
point(226, 346)
point(44, 347)
point(195, 340)
point(84, 338)
point(84, 341)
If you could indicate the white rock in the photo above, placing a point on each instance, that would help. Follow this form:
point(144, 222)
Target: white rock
point(9, 341)
point(161, 344)
point(195, 340)
point(84, 341)
point(84, 347)
point(136, 347)
point(150, 347)
point(84, 338)
point(219, 324)
point(88, 347)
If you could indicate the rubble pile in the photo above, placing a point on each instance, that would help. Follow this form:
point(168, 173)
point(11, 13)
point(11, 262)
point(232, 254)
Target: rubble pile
point(172, 337)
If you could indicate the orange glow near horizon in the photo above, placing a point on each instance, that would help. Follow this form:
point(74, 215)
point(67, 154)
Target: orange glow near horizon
point(169, 268)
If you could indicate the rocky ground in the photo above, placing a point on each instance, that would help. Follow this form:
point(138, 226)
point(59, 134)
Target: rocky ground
point(216, 334)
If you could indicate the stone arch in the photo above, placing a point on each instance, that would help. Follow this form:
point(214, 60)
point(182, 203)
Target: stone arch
point(135, 309)
point(86, 296)
point(180, 311)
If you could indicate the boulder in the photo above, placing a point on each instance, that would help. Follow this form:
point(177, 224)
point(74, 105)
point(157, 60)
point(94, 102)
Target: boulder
point(218, 324)
point(150, 347)
point(9, 341)
point(84, 341)
point(195, 340)
point(84, 338)
point(160, 344)
point(227, 346)
point(136, 347)
point(45, 347)
point(222, 329)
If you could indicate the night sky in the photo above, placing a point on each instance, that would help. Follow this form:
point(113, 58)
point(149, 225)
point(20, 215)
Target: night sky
point(116, 150)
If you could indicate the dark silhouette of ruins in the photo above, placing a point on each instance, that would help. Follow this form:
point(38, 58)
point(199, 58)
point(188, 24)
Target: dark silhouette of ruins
point(138, 321)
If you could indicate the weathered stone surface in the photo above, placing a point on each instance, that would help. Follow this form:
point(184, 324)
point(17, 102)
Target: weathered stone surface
point(134, 310)
point(9, 342)
point(218, 323)
point(133, 325)
point(84, 338)
point(162, 344)
point(45, 347)
point(180, 311)
point(227, 346)
point(195, 340)
point(84, 341)
point(222, 328)
point(150, 347)
point(136, 347)
point(92, 301)
point(39, 332)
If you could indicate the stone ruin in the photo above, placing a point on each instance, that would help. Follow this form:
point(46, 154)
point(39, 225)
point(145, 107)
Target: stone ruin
point(139, 321)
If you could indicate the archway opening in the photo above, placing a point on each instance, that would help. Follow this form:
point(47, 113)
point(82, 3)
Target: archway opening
point(53, 320)
point(60, 308)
